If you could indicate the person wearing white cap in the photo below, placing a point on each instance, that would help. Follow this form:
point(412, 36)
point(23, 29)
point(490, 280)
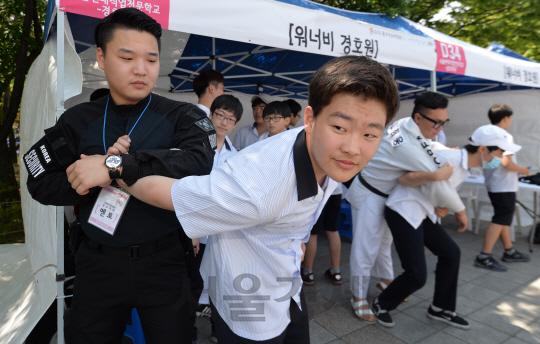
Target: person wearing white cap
point(412, 219)
point(250, 134)
point(502, 184)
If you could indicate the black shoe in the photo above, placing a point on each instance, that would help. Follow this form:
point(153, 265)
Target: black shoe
point(335, 278)
point(382, 315)
point(204, 311)
point(451, 318)
point(516, 257)
point(489, 263)
point(309, 279)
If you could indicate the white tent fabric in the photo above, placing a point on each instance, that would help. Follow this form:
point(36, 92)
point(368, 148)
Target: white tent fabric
point(28, 291)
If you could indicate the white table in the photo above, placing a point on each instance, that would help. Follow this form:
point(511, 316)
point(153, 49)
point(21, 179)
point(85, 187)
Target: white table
point(475, 180)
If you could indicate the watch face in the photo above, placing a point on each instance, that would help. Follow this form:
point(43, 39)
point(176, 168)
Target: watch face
point(113, 161)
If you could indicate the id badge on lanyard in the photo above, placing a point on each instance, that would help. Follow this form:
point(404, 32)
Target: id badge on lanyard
point(108, 209)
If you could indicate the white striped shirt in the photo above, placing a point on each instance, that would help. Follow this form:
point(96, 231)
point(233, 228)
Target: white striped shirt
point(258, 207)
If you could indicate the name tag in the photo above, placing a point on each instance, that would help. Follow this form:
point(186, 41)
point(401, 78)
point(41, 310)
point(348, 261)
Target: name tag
point(394, 135)
point(108, 209)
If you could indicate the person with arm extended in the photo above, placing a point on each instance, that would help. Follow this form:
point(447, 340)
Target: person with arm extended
point(260, 205)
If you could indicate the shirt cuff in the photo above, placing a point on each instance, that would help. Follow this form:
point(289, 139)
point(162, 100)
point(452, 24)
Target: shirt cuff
point(130, 169)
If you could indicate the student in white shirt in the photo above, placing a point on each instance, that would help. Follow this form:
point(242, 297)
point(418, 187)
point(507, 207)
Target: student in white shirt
point(412, 219)
point(208, 85)
point(406, 147)
point(502, 185)
point(250, 134)
point(276, 117)
point(260, 205)
point(328, 223)
point(225, 112)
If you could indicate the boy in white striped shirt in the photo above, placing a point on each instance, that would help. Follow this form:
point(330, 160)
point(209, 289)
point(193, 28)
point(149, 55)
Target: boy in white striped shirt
point(260, 205)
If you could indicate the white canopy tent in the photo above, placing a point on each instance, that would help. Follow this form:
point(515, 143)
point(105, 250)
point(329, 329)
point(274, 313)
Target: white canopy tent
point(57, 75)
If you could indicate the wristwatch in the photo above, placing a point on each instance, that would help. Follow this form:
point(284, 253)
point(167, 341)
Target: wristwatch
point(113, 163)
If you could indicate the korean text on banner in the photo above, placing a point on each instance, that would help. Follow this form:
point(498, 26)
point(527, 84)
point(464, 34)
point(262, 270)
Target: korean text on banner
point(450, 58)
point(157, 9)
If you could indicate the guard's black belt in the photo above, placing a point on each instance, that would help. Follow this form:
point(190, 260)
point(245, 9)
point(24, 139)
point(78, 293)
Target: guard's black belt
point(371, 188)
point(134, 252)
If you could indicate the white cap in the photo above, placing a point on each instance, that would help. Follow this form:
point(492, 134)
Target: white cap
point(264, 97)
point(492, 135)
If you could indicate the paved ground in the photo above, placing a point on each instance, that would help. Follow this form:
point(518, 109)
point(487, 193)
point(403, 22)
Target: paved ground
point(502, 307)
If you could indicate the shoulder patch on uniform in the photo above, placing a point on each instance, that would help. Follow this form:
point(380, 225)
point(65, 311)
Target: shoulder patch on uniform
point(205, 124)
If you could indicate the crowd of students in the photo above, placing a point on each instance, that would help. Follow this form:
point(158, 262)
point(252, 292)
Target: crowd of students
point(220, 228)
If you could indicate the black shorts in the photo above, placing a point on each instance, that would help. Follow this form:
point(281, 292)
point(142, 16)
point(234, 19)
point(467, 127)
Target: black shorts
point(504, 205)
point(329, 218)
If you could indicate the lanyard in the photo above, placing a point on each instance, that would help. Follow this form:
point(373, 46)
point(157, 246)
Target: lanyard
point(105, 120)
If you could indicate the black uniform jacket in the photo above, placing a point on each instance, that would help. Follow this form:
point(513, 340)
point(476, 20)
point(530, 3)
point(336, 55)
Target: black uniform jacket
point(173, 139)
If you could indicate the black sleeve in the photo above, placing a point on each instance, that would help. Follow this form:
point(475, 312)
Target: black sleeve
point(46, 163)
point(192, 153)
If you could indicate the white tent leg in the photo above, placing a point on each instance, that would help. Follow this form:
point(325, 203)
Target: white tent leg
point(433, 81)
point(60, 277)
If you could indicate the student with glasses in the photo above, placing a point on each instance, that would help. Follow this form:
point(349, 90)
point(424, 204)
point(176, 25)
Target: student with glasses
point(250, 134)
point(276, 117)
point(296, 112)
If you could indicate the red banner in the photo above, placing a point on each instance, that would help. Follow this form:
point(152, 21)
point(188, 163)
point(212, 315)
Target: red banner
point(157, 9)
point(450, 58)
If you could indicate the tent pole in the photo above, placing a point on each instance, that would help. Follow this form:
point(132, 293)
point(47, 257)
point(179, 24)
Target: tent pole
point(433, 81)
point(60, 276)
point(214, 53)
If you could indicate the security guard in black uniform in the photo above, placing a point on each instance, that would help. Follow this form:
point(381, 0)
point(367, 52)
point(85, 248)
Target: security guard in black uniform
point(132, 254)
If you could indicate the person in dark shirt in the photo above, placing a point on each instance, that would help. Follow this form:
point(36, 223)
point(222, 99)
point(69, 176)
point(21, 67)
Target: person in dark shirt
point(133, 258)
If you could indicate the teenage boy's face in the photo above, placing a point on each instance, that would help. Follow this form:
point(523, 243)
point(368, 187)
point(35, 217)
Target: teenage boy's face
point(277, 125)
point(224, 121)
point(295, 118)
point(257, 113)
point(344, 136)
point(426, 126)
point(131, 65)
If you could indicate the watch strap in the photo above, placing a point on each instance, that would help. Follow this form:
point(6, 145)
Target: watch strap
point(114, 174)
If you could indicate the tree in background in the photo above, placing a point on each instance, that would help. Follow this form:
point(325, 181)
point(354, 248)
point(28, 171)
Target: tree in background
point(21, 36)
point(513, 23)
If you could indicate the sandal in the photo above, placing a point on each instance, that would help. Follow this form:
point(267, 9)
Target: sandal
point(359, 311)
point(382, 286)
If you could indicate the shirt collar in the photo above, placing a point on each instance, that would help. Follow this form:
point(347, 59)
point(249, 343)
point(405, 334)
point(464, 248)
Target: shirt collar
point(227, 145)
point(306, 183)
point(464, 159)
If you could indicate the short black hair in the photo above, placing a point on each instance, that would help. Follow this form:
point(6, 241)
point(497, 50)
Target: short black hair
point(127, 19)
point(473, 149)
point(99, 93)
point(294, 106)
point(498, 112)
point(429, 100)
point(257, 102)
point(228, 103)
point(204, 79)
point(277, 108)
point(356, 75)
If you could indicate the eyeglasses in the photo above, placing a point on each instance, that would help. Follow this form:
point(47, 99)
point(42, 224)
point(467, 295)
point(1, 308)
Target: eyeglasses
point(438, 124)
point(222, 117)
point(273, 119)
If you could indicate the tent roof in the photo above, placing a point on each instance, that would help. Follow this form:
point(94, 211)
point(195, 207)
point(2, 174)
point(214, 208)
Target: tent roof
point(281, 67)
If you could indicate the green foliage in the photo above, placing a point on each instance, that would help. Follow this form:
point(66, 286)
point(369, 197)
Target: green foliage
point(513, 23)
point(12, 14)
